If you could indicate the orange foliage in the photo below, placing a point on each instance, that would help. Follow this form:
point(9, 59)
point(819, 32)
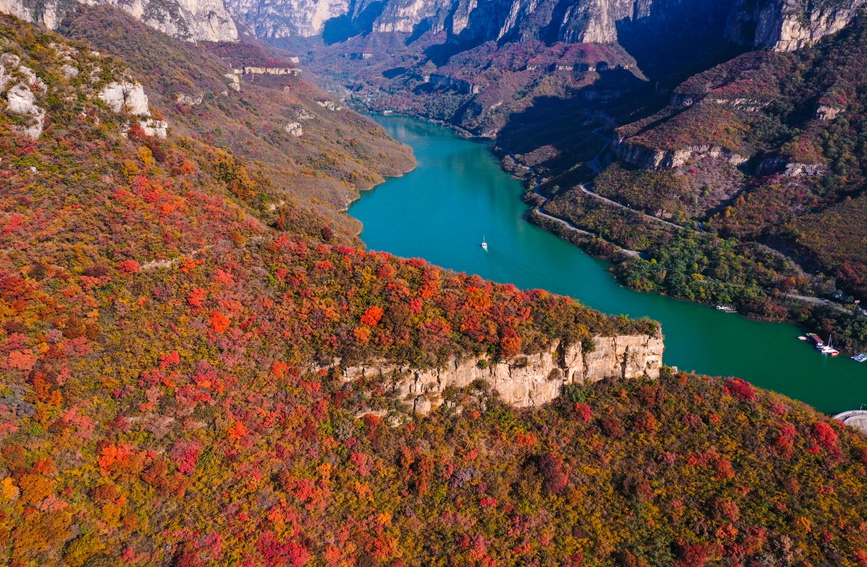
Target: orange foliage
point(219, 322)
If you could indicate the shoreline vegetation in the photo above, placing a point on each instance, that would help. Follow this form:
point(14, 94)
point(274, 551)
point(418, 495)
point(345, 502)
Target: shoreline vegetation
point(690, 264)
point(760, 153)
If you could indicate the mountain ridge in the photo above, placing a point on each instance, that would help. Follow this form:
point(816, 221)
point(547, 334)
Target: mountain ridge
point(175, 325)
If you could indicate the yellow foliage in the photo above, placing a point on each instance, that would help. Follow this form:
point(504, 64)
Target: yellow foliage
point(35, 487)
point(81, 549)
point(146, 156)
point(8, 490)
point(129, 169)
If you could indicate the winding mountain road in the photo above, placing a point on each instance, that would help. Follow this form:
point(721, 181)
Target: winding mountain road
point(817, 301)
point(587, 191)
point(596, 166)
point(540, 210)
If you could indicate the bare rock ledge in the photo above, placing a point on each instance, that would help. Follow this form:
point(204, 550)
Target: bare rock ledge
point(525, 380)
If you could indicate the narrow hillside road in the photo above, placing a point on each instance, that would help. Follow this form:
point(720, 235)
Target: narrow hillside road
point(541, 211)
point(817, 301)
point(596, 166)
point(584, 188)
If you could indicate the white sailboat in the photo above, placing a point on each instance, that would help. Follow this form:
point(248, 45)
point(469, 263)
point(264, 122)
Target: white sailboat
point(828, 349)
point(484, 244)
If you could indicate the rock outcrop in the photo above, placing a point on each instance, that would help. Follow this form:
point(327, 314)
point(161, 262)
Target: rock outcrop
point(189, 20)
point(585, 21)
point(786, 25)
point(651, 158)
point(125, 96)
point(21, 97)
point(280, 19)
point(294, 129)
point(526, 380)
point(131, 98)
point(63, 68)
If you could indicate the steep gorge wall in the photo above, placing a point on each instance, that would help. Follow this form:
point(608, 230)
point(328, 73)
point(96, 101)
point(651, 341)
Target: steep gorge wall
point(786, 25)
point(783, 25)
point(522, 381)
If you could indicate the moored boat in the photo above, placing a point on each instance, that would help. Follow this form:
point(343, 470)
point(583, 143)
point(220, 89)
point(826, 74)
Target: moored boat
point(860, 357)
point(816, 340)
point(827, 349)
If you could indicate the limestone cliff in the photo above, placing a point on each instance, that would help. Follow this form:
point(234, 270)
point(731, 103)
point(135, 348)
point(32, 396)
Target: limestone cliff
point(652, 158)
point(280, 19)
point(782, 24)
point(189, 20)
point(524, 380)
point(786, 25)
point(583, 21)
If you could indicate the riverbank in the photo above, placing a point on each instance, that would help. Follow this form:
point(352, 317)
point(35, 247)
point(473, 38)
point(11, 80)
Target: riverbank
point(775, 297)
point(772, 298)
point(459, 194)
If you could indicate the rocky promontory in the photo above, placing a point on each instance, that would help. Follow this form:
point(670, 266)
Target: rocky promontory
point(523, 380)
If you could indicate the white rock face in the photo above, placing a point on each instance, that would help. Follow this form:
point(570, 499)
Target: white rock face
point(294, 129)
point(650, 158)
point(234, 81)
point(16, 8)
point(155, 128)
point(189, 20)
point(189, 100)
point(827, 112)
point(329, 104)
point(796, 169)
point(524, 380)
point(132, 98)
point(125, 96)
point(786, 25)
point(781, 24)
point(275, 19)
point(405, 15)
point(20, 100)
point(69, 71)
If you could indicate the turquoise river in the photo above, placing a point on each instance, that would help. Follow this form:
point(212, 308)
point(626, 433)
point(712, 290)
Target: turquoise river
point(458, 195)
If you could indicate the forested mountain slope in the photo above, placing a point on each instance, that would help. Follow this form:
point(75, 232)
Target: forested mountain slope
point(308, 144)
point(171, 339)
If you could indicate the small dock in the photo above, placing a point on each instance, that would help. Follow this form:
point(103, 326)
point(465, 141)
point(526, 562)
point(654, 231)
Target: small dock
point(854, 418)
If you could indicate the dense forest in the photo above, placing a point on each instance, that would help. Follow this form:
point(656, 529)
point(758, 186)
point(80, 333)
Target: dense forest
point(172, 327)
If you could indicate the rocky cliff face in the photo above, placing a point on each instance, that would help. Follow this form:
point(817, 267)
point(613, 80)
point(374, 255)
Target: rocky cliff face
point(27, 95)
point(279, 19)
point(651, 158)
point(524, 380)
point(781, 24)
point(585, 21)
point(190, 20)
point(786, 25)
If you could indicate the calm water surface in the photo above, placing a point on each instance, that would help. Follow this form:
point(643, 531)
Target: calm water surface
point(459, 195)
